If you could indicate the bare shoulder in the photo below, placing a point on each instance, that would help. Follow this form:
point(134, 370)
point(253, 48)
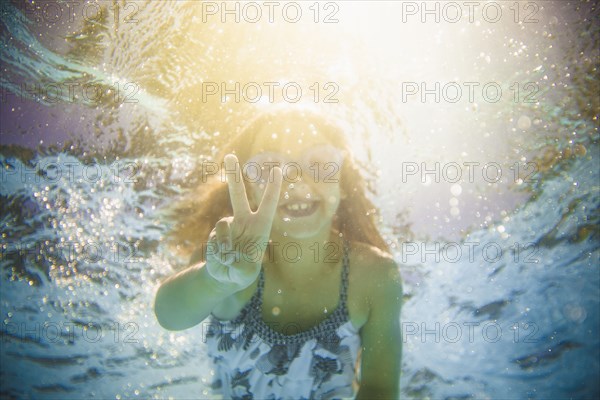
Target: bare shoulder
point(374, 278)
point(372, 266)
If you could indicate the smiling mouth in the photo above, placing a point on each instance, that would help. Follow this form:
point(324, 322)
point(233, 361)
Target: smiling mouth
point(298, 209)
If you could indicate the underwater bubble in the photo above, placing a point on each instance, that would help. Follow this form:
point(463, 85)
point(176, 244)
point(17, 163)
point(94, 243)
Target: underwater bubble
point(574, 312)
point(524, 122)
point(580, 150)
point(456, 189)
point(291, 186)
point(308, 195)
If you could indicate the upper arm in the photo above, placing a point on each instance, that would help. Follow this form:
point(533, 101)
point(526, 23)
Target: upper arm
point(380, 336)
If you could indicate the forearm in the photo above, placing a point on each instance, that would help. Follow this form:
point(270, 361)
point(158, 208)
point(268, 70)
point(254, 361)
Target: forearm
point(187, 298)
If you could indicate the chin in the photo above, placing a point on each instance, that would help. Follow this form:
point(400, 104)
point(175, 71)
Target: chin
point(296, 233)
point(300, 228)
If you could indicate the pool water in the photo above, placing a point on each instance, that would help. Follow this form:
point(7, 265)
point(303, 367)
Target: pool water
point(502, 303)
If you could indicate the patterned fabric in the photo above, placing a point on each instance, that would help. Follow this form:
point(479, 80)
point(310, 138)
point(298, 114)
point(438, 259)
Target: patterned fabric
point(253, 361)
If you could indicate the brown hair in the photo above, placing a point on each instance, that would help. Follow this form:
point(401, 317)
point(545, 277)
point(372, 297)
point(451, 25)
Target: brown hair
point(198, 212)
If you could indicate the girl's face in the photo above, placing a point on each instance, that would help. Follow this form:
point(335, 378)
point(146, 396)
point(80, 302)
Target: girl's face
point(310, 194)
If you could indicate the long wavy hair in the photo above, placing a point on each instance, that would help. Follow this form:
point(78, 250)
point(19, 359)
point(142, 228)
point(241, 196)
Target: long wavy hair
point(196, 214)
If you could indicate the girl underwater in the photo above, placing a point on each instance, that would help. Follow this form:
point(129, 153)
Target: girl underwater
point(302, 297)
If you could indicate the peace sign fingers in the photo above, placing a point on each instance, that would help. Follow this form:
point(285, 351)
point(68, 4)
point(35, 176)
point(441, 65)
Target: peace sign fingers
point(246, 227)
point(237, 190)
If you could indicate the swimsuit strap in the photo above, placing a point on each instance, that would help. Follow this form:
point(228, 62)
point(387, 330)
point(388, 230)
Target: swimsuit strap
point(261, 284)
point(345, 272)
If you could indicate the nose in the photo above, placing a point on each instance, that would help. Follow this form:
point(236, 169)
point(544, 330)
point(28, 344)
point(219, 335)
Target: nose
point(293, 173)
point(297, 178)
point(297, 189)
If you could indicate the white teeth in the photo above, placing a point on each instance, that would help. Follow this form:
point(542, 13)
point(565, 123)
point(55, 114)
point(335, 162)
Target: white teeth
point(298, 206)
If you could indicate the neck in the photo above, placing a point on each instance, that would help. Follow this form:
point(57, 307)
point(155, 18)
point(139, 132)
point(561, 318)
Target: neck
point(304, 256)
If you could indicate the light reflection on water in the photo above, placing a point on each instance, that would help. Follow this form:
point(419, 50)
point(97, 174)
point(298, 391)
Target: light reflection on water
point(76, 304)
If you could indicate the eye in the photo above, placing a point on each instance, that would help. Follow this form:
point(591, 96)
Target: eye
point(267, 162)
point(258, 168)
point(325, 155)
point(317, 159)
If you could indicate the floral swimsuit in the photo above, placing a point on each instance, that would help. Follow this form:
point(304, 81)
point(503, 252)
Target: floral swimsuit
point(253, 361)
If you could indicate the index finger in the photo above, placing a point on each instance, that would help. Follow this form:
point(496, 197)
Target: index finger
point(270, 199)
point(237, 190)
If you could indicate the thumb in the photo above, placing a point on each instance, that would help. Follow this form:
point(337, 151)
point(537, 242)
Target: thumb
point(223, 234)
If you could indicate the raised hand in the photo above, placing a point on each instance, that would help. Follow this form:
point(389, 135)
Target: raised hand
point(239, 242)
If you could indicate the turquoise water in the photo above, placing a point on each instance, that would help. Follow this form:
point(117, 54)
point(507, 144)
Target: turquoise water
point(82, 234)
